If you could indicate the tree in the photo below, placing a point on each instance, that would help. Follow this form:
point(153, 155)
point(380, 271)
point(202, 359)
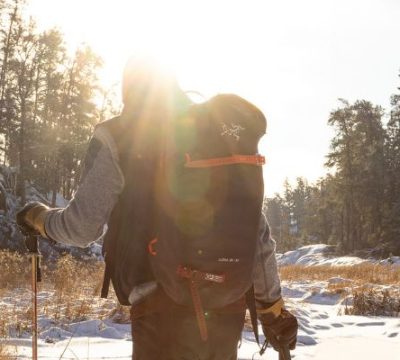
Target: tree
point(392, 191)
point(357, 155)
point(10, 18)
point(48, 104)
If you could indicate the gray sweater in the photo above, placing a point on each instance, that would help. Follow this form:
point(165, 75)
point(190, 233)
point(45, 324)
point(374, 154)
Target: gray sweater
point(83, 220)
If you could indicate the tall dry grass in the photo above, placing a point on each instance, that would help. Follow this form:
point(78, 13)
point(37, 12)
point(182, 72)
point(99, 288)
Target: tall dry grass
point(375, 302)
point(69, 292)
point(362, 273)
point(373, 289)
point(5, 352)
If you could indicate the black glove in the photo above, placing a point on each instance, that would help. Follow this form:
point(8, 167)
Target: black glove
point(280, 332)
point(31, 218)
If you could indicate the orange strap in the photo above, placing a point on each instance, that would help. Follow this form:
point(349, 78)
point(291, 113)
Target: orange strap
point(257, 160)
point(188, 273)
point(150, 247)
point(198, 309)
point(194, 277)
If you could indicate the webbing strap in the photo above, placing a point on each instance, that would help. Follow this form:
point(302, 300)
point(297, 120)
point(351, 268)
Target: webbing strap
point(188, 273)
point(150, 247)
point(251, 305)
point(194, 276)
point(106, 282)
point(198, 309)
point(257, 160)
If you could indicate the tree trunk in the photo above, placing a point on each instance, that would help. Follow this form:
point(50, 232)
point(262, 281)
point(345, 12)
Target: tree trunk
point(21, 191)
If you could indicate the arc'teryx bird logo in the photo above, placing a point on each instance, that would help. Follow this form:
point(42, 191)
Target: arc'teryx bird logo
point(232, 130)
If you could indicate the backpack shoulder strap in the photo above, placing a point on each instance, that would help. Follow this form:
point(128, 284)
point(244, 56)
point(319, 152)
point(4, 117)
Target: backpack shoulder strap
point(251, 305)
point(106, 283)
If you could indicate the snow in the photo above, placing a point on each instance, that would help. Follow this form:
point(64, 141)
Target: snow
point(322, 254)
point(79, 348)
point(325, 333)
point(98, 328)
point(321, 342)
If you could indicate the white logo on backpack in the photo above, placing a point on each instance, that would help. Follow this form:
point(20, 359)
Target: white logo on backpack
point(229, 260)
point(232, 130)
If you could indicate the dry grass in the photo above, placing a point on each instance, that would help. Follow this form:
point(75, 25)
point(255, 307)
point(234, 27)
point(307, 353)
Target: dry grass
point(120, 314)
point(6, 352)
point(69, 292)
point(365, 286)
point(67, 275)
point(362, 273)
point(14, 270)
point(375, 302)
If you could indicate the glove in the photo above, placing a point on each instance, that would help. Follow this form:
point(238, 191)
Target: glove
point(279, 326)
point(31, 218)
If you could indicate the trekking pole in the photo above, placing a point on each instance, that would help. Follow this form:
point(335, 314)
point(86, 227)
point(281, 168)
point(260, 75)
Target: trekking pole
point(31, 242)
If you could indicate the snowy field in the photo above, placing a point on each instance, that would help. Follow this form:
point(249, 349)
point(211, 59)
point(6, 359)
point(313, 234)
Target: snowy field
point(325, 332)
point(321, 254)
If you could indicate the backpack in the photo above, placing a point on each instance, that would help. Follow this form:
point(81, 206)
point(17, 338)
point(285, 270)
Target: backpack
point(210, 196)
point(197, 232)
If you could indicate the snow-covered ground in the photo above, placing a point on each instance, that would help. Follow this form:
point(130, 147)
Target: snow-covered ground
point(325, 332)
point(321, 254)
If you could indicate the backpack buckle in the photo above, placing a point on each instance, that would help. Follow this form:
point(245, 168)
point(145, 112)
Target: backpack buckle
point(196, 275)
point(260, 160)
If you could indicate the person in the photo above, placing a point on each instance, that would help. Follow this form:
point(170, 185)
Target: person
point(161, 329)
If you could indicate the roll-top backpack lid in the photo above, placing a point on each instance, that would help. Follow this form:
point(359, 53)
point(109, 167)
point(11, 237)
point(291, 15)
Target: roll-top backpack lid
point(224, 125)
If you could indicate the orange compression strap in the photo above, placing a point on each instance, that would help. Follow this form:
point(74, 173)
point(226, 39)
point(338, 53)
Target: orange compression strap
point(150, 247)
point(194, 277)
point(257, 160)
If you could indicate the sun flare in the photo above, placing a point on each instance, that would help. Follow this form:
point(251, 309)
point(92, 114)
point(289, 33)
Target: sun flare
point(289, 58)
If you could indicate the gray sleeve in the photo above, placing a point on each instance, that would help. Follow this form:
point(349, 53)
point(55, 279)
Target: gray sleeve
point(83, 220)
point(267, 284)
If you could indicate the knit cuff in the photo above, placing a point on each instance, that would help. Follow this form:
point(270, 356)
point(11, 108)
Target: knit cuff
point(272, 312)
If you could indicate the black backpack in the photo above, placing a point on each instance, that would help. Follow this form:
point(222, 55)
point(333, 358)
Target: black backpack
point(208, 193)
point(210, 200)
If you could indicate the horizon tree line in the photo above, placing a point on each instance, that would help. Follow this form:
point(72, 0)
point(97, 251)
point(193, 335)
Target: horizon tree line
point(358, 206)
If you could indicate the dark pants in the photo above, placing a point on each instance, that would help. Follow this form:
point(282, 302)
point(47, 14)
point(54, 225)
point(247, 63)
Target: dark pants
point(171, 332)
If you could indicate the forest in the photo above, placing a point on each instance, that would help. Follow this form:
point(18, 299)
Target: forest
point(357, 205)
point(51, 99)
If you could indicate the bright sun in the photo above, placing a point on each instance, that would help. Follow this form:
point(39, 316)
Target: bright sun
point(203, 43)
point(289, 58)
point(211, 46)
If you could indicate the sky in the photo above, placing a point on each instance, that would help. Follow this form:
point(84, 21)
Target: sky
point(293, 59)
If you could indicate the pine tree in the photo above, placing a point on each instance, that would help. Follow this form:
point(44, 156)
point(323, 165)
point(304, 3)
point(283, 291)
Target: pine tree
point(392, 194)
point(48, 104)
point(357, 154)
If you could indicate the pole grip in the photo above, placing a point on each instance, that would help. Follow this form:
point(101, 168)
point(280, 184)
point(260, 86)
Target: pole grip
point(38, 270)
